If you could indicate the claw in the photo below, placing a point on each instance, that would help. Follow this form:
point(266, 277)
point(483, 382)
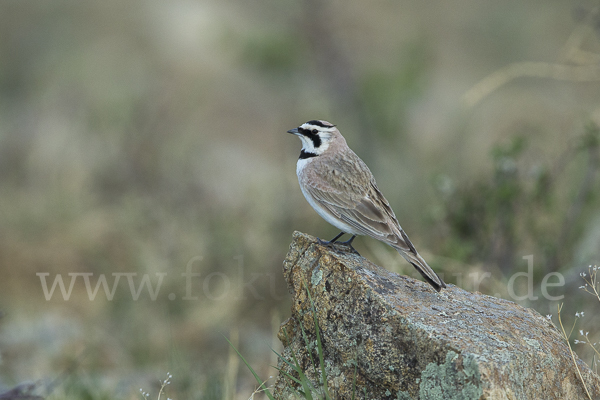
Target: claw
point(326, 243)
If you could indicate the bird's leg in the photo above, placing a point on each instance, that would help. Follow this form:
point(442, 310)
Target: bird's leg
point(337, 237)
point(349, 243)
point(330, 242)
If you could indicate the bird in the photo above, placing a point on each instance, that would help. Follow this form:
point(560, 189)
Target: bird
point(342, 190)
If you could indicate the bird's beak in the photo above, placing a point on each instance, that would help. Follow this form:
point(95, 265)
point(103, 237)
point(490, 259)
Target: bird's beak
point(294, 131)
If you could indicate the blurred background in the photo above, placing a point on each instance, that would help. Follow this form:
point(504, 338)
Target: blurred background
point(143, 140)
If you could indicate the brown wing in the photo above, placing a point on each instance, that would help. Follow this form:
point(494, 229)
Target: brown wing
point(346, 188)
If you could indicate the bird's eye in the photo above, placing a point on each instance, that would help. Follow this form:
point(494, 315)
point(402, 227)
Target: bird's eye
point(315, 131)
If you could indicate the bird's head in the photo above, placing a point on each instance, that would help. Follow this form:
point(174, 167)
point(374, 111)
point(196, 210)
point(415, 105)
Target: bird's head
point(316, 137)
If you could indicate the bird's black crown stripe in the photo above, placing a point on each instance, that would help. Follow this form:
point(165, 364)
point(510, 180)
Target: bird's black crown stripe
point(312, 136)
point(319, 123)
point(306, 154)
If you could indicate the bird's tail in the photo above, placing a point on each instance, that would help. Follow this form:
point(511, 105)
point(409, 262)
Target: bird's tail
point(420, 265)
point(411, 255)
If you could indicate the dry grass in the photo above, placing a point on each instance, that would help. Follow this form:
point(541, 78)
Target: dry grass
point(592, 286)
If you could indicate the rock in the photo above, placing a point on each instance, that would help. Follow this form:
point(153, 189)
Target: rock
point(397, 338)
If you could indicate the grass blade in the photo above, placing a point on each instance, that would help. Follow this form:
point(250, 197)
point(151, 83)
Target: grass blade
point(261, 384)
point(319, 344)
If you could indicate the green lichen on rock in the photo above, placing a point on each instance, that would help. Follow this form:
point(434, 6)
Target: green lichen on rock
point(403, 396)
point(451, 380)
point(316, 277)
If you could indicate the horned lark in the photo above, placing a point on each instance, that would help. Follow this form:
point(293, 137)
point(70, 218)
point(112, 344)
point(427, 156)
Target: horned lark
point(342, 190)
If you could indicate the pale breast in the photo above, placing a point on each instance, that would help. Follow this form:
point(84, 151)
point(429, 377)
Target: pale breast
point(308, 177)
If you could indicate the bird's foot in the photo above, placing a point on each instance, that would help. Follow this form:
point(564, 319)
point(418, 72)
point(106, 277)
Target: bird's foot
point(326, 243)
point(331, 243)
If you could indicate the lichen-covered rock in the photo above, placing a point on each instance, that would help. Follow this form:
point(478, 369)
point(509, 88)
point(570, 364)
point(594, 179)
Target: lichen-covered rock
point(387, 336)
